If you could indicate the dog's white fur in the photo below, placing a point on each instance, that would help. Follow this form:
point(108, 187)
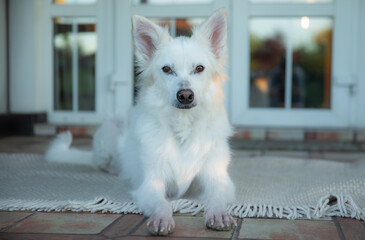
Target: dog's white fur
point(161, 147)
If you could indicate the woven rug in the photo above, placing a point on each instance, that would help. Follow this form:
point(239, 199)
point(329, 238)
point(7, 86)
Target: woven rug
point(266, 187)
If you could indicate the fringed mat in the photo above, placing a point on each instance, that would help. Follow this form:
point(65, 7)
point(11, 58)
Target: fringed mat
point(266, 187)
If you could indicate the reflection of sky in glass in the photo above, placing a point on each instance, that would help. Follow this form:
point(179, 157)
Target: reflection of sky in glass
point(87, 42)
point(172, 1)
point(74, 1)
point(261, 29)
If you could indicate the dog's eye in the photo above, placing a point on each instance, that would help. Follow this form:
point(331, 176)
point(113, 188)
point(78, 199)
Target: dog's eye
point(199, 69)
point(166, 69)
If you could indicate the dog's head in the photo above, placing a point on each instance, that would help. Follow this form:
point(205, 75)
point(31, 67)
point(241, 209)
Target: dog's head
point(181, 70)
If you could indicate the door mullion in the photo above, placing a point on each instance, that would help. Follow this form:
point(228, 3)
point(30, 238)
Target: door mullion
point(75, 66)
point(288, 66)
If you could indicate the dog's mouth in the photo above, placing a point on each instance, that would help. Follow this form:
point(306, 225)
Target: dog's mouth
point(184, 106)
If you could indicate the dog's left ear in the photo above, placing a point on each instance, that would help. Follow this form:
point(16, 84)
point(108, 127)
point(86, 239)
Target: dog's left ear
point(214, 29)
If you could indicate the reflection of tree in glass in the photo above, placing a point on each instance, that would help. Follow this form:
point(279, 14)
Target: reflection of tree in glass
point(315, 59)
point(311, 73)
point(63, 66)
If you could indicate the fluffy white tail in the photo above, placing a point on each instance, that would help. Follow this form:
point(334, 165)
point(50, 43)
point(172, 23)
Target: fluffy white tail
point(60, 151)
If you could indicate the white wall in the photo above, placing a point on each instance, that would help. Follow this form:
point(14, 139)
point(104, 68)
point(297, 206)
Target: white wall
point(3, 95)
point(360, 87)
point(27, 93)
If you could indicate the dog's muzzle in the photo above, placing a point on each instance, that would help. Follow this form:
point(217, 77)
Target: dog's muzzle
point(185, 98)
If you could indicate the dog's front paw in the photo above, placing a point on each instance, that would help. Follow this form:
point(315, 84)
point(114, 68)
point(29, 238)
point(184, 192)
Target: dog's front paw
point(159, 224)
point(220, 221)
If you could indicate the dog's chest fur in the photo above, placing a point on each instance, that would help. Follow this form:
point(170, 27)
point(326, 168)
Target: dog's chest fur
point(191, 148)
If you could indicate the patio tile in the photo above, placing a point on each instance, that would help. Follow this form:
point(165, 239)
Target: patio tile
point(287, 229)
point(123, 226)
point(27, 236)
point(189, 227)
point(296, 154)
point(352, 228)
point(71, 223)
point(8, 218)
point(343, 156)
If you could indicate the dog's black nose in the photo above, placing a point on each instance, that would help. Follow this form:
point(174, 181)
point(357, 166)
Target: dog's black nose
point(185, 96)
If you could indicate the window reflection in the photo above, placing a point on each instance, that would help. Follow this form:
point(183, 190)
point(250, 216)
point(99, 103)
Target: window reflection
point(312, 54)
point(310, 41)
point(74, 64)
point(267, 65)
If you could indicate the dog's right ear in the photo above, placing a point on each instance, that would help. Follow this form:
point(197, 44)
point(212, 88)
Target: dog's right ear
point(147, 37)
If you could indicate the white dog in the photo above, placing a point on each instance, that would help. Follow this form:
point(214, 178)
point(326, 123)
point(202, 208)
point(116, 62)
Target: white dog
point(177, 132)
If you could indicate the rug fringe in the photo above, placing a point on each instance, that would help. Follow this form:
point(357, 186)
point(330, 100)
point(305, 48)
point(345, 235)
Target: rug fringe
point(328, 206)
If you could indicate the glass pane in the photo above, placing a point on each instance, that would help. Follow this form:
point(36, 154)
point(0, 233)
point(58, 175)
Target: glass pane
point(74, 63)
point(63, 45)
point(159, 2)
point(86, 43)
point(73, 2)
point(312, 53)
point(267, 65)
point(291, 1)
point(310, 41)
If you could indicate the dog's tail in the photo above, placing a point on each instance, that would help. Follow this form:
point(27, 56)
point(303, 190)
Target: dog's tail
point(60, 151)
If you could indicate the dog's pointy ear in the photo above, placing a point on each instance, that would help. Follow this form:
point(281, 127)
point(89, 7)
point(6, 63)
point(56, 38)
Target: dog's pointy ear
point(214, 29)
point(147, 37)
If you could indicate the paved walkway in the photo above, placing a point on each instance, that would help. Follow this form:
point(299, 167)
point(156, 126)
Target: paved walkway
point(69, 225)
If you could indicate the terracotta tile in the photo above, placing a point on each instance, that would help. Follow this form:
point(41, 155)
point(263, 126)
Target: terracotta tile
point(123, 226)
point(8, 218)
point(287, 229)
point(189, 227)
point(71, 223)
point(28, 236)
point(352, 228)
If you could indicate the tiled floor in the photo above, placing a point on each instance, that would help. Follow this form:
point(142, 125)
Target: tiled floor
point(38, 225)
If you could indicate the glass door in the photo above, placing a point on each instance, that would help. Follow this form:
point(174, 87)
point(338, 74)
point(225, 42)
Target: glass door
point(287, 63)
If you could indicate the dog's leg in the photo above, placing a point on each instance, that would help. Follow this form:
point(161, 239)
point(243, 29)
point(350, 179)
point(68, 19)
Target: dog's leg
point(218, 191)
point(150, 197)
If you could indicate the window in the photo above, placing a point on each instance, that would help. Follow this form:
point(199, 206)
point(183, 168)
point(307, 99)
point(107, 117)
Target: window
point(74, 64)
point(290, 62)
point(160, 2)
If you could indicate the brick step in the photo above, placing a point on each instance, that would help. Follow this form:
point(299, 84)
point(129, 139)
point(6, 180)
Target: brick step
point(47, 129)
point(336, 135)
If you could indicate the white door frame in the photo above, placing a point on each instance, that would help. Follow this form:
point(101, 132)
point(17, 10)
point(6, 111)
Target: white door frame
point(343, 70)
point(102, 11)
